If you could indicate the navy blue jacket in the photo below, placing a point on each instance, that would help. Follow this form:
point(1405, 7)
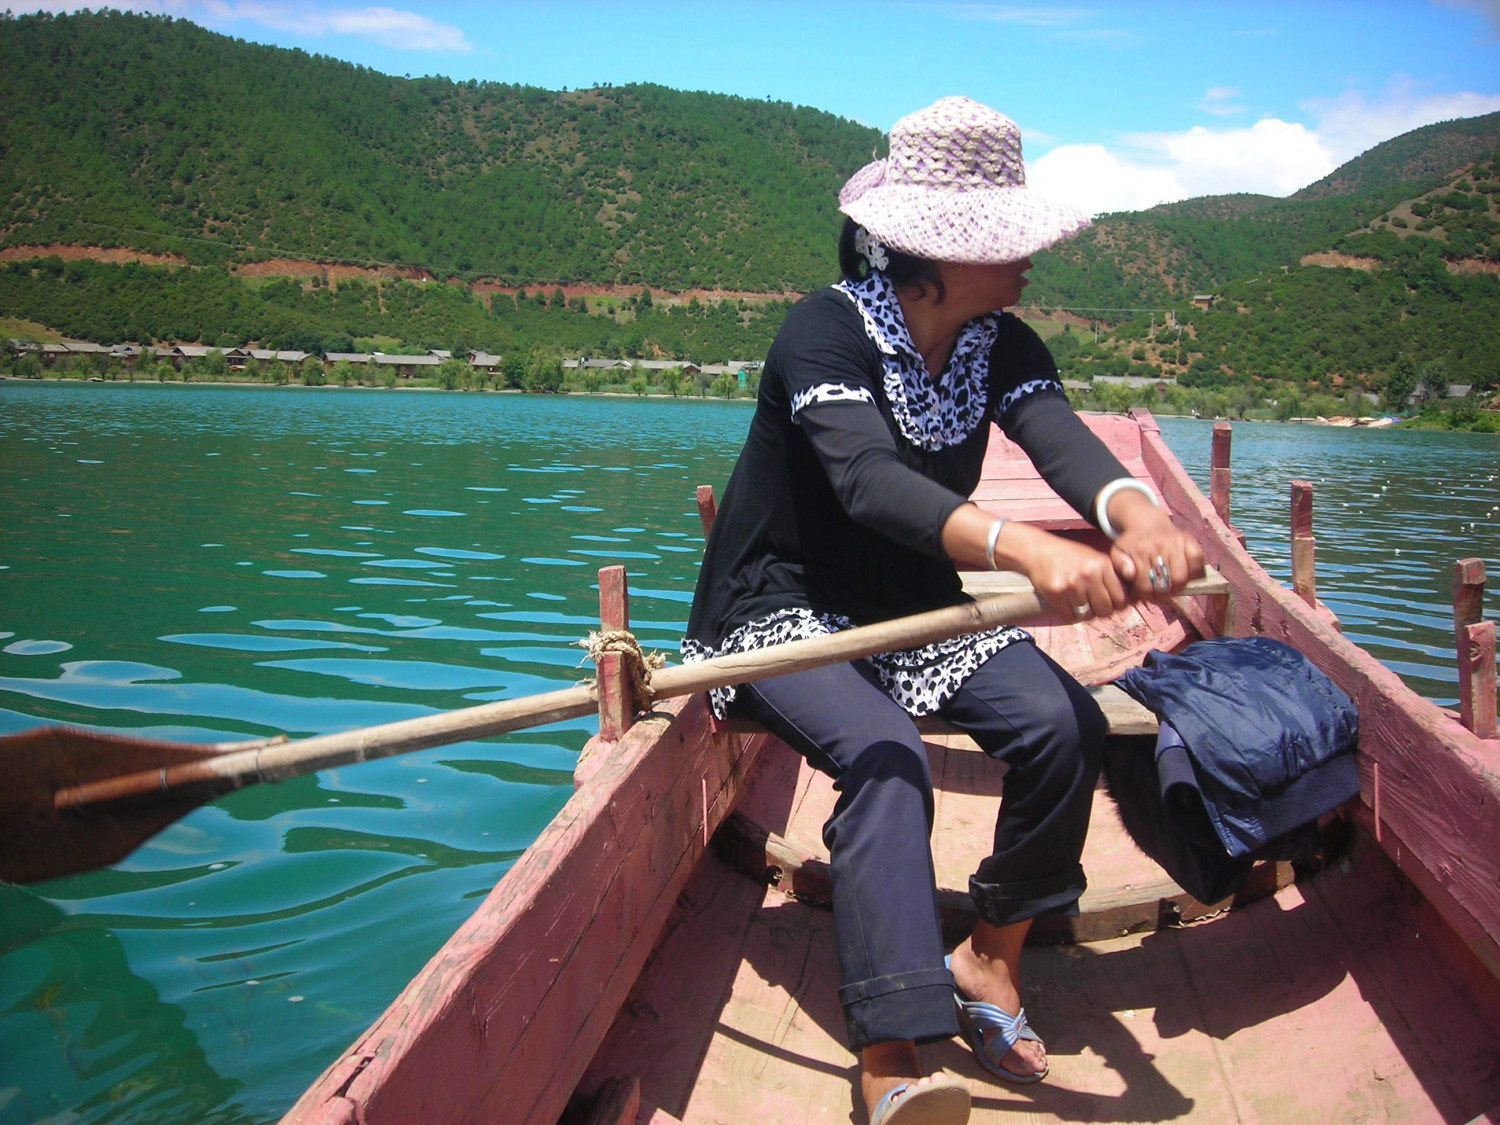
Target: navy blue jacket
point(1255, 744)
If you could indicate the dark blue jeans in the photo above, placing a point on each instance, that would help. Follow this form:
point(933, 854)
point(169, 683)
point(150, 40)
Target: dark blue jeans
point(1022, 709)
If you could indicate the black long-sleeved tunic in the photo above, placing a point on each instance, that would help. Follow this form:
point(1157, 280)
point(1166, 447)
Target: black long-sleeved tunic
point(854, 461)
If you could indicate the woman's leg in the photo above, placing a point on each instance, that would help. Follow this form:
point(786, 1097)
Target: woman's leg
point(895, 991)
point(1025, 710)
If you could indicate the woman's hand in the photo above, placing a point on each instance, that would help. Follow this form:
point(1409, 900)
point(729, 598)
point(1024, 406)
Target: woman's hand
point(1076, 580)
point(1151, 556)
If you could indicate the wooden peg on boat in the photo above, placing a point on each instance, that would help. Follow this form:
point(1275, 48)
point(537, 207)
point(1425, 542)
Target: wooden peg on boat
point(1476, 649)
point(1218, 469)
point(708, 508)
point(616, 697)
point(1304, 584)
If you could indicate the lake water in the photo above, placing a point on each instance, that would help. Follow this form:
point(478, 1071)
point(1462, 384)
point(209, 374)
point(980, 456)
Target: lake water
point(208, 564)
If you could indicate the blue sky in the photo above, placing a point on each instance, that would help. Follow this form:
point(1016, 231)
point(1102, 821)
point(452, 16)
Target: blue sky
point(1122, 105)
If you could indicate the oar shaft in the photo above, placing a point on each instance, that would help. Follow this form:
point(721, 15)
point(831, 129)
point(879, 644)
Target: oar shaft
point(279, 761)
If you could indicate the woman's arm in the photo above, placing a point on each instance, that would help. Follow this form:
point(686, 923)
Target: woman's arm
point(1081, 469)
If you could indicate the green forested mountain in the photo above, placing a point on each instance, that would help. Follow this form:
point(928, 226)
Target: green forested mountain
point(1410, 296)
point(1155, 257)
point(155, 135)
point(152, 133)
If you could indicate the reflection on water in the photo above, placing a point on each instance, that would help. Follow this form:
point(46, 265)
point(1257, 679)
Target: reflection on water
point(214, 565)
point(206, 565)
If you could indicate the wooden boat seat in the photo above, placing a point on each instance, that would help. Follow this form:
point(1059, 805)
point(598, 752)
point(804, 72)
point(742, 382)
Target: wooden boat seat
point(1125, 716)
point(776, 833)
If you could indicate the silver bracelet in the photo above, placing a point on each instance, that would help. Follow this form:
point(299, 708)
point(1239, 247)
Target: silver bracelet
point(1107, 493)
point(989, 542)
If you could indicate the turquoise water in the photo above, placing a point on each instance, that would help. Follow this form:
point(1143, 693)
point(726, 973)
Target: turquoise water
point(209, 564)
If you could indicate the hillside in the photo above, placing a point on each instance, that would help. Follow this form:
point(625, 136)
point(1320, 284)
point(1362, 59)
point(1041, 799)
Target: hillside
point(1413, 295)
point(1156, 257)
point(159, 182)
point(153, 133)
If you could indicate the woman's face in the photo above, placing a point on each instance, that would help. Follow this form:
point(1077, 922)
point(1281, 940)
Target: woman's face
point(986, 288)
point(998, 287)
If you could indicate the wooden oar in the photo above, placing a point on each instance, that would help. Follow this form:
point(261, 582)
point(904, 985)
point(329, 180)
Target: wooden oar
point(73, 799)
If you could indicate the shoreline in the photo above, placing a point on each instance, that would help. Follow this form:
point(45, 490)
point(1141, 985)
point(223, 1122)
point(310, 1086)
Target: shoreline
point(247, 385)
point(1383, 422)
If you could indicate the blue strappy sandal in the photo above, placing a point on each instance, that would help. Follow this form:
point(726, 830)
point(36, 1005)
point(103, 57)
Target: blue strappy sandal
point(942, 1101)
point(975, 1017)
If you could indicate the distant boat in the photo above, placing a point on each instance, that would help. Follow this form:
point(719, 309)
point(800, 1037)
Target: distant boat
point(629, 970)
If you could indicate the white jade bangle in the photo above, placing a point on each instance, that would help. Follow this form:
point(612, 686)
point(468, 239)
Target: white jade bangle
point(1107, 493)
point(989, 542)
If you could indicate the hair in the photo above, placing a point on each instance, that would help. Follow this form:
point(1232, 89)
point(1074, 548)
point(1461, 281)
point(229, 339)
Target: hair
point(904, 269)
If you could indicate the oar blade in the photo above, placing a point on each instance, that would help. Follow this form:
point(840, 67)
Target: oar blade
point(39, 842)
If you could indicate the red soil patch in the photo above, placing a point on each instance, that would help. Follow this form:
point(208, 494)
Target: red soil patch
point(1474, 265)
point(1331, 260)
point(291, 267)
point(117, 255)
point(659, 296)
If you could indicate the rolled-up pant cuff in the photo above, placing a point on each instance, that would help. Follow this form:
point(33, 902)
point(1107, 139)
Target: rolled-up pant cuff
point(916, 1005)
point(1001, 904)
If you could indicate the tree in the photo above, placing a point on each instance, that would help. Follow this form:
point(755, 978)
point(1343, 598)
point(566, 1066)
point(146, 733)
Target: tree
point(1400, 383)
point(544, 373)
point(513, 370)
point(1434, 381)
point(453, 374)
point(671, 380)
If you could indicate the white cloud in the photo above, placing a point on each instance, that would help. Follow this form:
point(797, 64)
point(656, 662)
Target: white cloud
point(1350, 123)
point(1096, 180)
point(1026, 16)
point(1271, 157)
point(390, 27)
point(1220, 101)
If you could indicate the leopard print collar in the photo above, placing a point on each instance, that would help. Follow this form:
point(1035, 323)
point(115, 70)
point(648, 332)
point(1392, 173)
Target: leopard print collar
point(930, 415)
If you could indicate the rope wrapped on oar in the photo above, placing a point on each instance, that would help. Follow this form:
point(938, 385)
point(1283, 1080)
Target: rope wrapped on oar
point(638, 661)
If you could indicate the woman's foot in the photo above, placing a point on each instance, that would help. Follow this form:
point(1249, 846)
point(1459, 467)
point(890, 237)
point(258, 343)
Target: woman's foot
point(935, 1100)
point(986, 968)
point(893, 1066)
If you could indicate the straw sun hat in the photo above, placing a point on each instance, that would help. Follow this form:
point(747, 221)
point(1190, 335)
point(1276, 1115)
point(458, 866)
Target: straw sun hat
point(953, 189)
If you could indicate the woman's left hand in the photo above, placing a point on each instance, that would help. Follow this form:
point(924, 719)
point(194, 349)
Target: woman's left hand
point(1151, 556)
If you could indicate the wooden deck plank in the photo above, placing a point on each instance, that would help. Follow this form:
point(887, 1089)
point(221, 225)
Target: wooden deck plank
point(1269, 1015)
point(661, 1034)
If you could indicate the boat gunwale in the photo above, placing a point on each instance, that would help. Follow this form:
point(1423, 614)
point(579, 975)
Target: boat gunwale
point(455, 993)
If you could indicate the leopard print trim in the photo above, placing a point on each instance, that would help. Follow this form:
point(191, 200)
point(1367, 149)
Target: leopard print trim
point(930, 415)
point(1032, 386)
point(920, 680)
point(830, 392)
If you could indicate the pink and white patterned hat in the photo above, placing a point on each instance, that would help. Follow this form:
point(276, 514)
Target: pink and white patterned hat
point(953, 189)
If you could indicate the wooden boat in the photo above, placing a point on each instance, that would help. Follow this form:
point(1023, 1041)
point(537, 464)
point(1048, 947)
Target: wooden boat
point(659, 954)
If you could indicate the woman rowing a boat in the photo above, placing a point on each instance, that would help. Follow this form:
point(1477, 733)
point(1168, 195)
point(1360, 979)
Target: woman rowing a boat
point(848, 506)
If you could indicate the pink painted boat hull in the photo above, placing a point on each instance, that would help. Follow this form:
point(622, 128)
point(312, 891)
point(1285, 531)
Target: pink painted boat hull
point(620, 909)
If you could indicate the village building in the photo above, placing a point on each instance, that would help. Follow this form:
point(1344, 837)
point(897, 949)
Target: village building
point(407, 366)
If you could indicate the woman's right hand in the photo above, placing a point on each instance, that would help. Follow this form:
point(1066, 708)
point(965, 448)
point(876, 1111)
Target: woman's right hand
point(1075, 580)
